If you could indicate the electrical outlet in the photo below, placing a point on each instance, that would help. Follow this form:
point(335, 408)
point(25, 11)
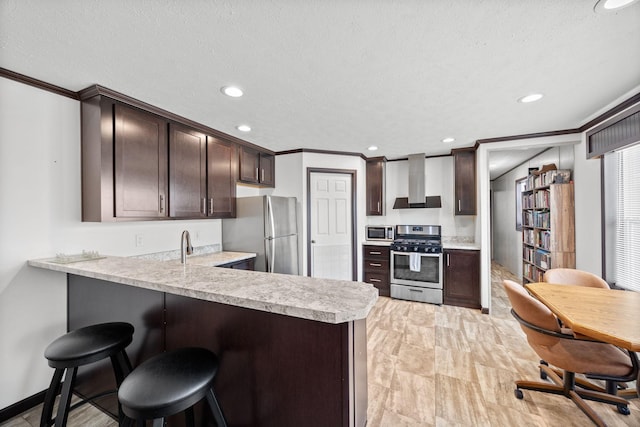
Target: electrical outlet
point(139, 240)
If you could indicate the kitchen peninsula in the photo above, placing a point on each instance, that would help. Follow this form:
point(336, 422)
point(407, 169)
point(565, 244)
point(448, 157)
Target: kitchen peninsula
point(292, 348)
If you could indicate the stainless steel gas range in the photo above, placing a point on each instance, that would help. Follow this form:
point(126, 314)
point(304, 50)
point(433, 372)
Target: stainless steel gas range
point(416, 263)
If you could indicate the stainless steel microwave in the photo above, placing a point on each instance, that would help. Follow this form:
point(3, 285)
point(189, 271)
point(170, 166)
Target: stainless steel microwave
point(379, 232)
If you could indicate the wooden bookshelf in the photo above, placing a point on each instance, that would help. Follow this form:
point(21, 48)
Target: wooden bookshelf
point(548, 224)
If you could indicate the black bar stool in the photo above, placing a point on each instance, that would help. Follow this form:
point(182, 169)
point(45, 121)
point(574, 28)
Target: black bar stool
point(170, 383)
point(78, 348)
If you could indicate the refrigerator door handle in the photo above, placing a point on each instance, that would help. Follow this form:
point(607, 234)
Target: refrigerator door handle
point(269, 254)
point(271, 220)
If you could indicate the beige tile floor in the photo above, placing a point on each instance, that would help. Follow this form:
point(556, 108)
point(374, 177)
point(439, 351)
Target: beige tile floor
point(441, 366)
point(448, 366)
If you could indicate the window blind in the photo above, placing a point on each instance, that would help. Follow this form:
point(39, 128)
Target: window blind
point(628, 219)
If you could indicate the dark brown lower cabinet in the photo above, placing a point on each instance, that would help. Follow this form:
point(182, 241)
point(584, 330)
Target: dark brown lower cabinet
point(92, 301)
point(462, 278)
point(375, 268)
point(275, 370)
point(245, 264)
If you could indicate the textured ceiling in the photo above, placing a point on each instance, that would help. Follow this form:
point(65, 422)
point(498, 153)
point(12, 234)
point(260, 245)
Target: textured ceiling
point(339, 75)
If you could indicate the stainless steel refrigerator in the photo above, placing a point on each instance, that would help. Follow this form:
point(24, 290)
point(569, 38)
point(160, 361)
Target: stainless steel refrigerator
point(266, 225)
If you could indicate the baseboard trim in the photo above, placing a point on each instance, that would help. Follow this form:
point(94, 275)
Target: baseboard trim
point(484, 310)
point(22, 406)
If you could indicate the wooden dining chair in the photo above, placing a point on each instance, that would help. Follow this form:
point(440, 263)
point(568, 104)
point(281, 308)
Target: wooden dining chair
point(562, 349)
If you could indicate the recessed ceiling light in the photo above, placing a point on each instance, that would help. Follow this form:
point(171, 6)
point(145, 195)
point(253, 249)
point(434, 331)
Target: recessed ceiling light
point(244, 128)
point(372, 148)
point(531, 98)
point(232, 91)
point(448, 140)
point(604, 6)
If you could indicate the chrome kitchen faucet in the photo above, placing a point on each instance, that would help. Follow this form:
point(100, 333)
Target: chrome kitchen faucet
point(185, 239)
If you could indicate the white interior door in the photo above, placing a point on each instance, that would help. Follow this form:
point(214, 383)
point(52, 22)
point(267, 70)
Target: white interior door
point(331, 225)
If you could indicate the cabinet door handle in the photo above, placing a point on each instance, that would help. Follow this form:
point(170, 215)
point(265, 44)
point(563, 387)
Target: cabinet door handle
point(447, 260)
point(375, 280)
point(375, 264)
point(415, 290)
point(161, 203)
point(211, 206)
point(203, 206)
point(257, 175)
point(375, 253)
point(378, 206)
point(262, 175)
point(459, 205)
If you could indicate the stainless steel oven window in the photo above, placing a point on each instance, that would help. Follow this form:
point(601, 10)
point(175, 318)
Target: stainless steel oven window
point(430, 273)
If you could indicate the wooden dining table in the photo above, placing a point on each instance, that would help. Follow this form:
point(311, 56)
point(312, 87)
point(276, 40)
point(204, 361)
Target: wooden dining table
point(605, 315)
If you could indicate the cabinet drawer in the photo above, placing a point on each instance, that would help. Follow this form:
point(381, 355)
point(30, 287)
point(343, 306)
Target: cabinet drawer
point(376, 266)
point(380, 281)
point(413, 293)
point(375, 253)
point(376, 278)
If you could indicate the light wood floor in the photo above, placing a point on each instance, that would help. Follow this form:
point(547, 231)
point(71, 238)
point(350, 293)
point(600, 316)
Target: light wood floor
point(441, 366)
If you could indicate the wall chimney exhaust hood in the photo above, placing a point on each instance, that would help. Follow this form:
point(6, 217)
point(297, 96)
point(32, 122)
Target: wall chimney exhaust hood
point(417, 198)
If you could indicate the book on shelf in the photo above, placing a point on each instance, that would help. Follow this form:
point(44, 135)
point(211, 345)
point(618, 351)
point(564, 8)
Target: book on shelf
point(542, 259)
point(548, 177)
point(542, 199)
point(547, 222)
point(528, 237)
point(543, 239)
point(527, 254)
point(541, 219)
point(528, 201)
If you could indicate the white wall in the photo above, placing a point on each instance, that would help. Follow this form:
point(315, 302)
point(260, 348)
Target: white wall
point(507, 241)
point(291, 177)
point(439, 176)
point(40, 216)
point(587, 176)
point(291, 180)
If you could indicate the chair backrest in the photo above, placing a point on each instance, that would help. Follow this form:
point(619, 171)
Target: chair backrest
point(532, 311)
point(571, 276)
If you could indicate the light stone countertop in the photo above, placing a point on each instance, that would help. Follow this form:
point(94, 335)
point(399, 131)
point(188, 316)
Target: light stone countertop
point(329, 301)
point(461, 245)
point(377, 243)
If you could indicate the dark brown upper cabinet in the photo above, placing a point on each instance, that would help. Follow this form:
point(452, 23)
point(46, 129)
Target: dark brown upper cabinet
point(465, 181)
point(375, 186)
point(257, 167)
point(187, 172)
point(222, 166)
point(124, 162)
point(140, 162)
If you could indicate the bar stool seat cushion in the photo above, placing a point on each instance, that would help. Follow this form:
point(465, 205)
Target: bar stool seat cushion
point(168, 383)
point(89, 344)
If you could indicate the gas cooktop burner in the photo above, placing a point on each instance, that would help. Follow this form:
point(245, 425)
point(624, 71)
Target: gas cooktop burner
point(423, 246)
point(418, 238)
